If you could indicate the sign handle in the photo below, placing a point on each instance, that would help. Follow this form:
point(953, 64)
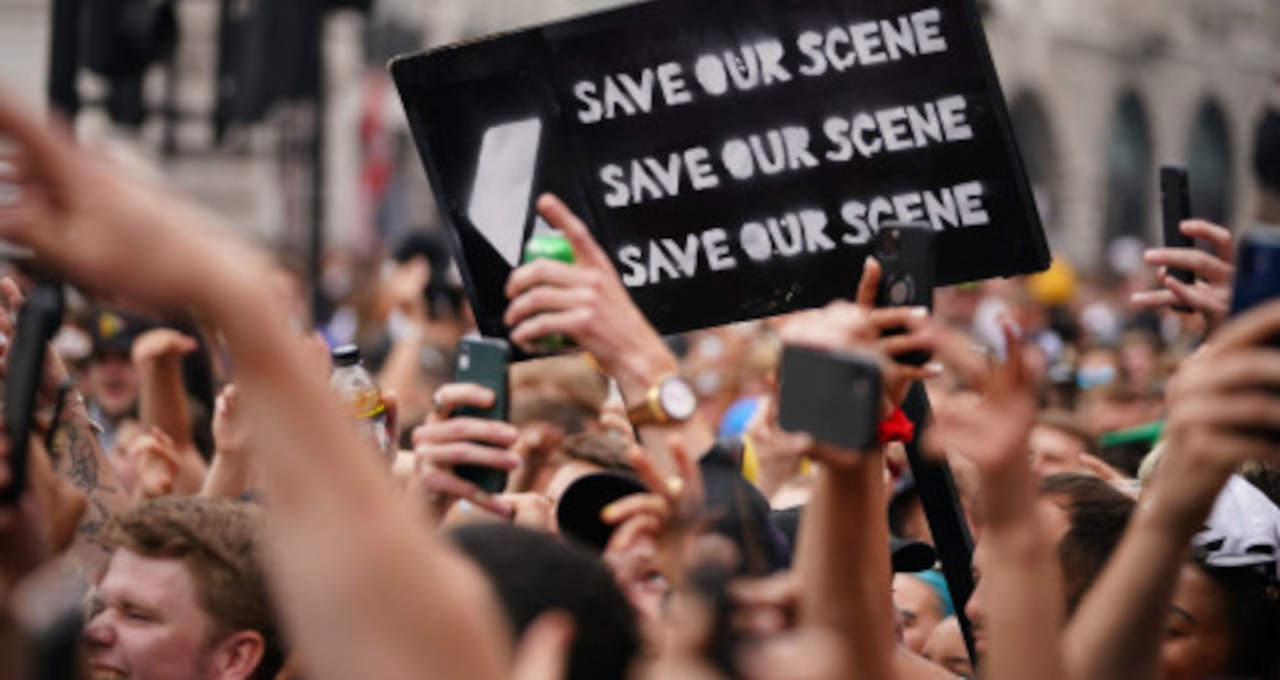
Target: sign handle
point(945, 515)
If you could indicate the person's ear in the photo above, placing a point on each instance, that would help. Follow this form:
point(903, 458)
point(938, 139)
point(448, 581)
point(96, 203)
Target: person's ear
point(238, 655)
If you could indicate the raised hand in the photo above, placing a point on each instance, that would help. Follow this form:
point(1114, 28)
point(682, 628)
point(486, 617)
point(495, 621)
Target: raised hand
point(442, 442)
point(991, 426)
point(161, 344)
point(1210, 293)
point(586, 301)
point(101, 229)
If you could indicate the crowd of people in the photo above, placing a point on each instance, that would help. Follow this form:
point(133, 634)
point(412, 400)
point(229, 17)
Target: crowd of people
point(200, 504)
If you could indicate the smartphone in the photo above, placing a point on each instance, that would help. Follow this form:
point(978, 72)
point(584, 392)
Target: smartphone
point(1175, 204)
point(832, 395)
point(907, 255)
point(38, 321)
point(1257, 270)
point(483, 361)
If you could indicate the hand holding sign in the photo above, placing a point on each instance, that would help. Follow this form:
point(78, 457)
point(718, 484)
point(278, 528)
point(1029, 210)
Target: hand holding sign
point(586, 301)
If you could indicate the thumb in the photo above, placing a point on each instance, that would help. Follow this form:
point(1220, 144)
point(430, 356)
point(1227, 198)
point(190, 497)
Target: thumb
point(543, 653)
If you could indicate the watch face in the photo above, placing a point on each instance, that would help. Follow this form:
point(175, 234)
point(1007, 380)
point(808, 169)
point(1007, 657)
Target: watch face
point(677, 399)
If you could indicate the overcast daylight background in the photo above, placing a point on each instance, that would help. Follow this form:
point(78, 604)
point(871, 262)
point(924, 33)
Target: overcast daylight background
point(1101, 92)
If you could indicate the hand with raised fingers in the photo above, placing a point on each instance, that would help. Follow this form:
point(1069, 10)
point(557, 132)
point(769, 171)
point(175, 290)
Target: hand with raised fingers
point(161, 344)
point(443, 442)
point(587, 301)
point(1224, 407)
point(670, 512)
point(403, 289)
point(102, 229)
point(991, 426)
point(1210, 293)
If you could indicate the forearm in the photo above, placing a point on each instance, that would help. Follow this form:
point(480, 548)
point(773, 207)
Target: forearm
point(843, 560)
point(162, 399)
point(1024, 611)
point(1112, 635)
point(78, 457)
point(228, 475)
point(358, 578)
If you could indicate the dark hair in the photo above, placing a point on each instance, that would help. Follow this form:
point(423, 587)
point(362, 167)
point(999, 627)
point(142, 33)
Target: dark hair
point(1098, 514)
point(1069, 424)
point(600, 448)
point(219, 541)
point(535, 572)
point(1253, 611)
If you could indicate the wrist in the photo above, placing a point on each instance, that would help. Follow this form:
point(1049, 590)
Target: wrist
point(638, 372)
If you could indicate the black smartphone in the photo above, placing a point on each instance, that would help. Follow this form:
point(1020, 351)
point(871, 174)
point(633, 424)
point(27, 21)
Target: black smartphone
point(1175, 206)
point(483, 361)
point(38, 322)
point(908, 256)
point(832, 395)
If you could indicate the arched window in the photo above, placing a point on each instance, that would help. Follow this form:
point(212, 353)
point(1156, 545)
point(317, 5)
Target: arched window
point(1209, 164)
point(1039, 154)
point(1130, 177)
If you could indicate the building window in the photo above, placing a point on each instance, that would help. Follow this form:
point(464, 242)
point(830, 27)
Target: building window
point(1209, 164)
point(1039, 154)
point(1130, 177)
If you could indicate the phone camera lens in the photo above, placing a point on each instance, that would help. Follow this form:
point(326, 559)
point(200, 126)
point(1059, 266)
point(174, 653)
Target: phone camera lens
point(901, 291)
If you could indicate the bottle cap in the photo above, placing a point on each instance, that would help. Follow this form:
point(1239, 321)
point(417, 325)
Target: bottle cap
point(346, 355)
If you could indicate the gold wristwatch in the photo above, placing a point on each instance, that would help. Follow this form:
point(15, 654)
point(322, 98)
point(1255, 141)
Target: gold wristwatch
point(670, 400)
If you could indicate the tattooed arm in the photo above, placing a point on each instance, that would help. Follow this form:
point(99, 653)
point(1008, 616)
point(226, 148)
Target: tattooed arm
point(74, 449)
point(77, 456)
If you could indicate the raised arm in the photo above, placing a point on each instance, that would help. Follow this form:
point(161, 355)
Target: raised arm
point(1023, 603)
point(1221, 405)
point(364, 589)
point(587, 301)
point(843, 552)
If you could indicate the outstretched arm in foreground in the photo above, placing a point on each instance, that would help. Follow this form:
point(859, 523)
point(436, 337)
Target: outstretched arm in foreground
point(364, 589)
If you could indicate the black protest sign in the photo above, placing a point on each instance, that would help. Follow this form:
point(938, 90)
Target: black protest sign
point(735, 157)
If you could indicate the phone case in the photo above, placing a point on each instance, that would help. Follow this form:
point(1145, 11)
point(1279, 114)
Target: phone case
point(907, 255)
point(483, 361)
point(833, 396)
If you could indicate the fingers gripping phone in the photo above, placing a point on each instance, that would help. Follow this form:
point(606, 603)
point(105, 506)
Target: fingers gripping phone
point(907, 255)
point(832, 395)
point(483, 361)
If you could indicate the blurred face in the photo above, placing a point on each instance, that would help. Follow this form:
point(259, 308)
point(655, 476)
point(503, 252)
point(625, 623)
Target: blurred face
point(145, 622)
point(945, 647)
point(920, 608)
point(1197, 637)
point(1054, 451)
point(113, 383)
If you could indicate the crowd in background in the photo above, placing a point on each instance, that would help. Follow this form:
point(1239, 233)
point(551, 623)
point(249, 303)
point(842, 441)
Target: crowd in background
point(1114, 457)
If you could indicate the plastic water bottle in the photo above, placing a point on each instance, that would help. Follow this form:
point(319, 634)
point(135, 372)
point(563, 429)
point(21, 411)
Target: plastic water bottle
point(363, 399)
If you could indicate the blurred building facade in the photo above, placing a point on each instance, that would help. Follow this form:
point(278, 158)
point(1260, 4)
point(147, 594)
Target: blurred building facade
point(1101, 93)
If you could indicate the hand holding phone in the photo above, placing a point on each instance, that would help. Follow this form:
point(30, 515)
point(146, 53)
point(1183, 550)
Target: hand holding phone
point(831, 395)
point(483, 361)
